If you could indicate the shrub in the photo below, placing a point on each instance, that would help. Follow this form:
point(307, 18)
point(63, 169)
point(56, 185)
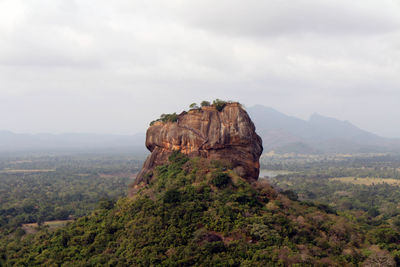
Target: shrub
point(106, 204)
point(373, 212)
point(215, 247)
point(169, 117)
point(244, 198)
point(193, 106)
point(205, 103)
point(328, 209)
point(172, 196)
point(220, 179)
point(221, 164)
point(219, 104)
point(178, 157)
point(396, 222)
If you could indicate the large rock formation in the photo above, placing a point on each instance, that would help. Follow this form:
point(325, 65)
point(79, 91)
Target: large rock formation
point(227, 135)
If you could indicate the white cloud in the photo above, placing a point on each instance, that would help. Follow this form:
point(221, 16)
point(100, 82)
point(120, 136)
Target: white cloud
point(98, 64)
point(280, 17)
point(11, 15)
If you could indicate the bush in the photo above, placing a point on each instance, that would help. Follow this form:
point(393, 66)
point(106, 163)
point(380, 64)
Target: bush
point(328, 209)
point(215, 247)
point(106, 204)
point(172, 196)
point(193, 106)
point(219, 104)
point(178, 157)
point(396, 222)
point(167, 118)
point(220, 179)
point(205, 103)
point(373, 212)
point(244, 198)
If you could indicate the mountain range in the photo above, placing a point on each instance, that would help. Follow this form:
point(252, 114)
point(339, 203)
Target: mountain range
point(283, 133)
point(280, 133)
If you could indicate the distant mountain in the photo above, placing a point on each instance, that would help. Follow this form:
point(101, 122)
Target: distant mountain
point(12, 142)
point(280, 133)
point(319, 134)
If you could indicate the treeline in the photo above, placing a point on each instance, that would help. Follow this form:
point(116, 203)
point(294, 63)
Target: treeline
point(387, 166)
point(372, 206)
point(71, 190)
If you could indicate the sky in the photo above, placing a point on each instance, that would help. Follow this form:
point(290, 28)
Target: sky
point(96, 66)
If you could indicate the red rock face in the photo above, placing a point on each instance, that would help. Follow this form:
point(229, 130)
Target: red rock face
point(227, 135)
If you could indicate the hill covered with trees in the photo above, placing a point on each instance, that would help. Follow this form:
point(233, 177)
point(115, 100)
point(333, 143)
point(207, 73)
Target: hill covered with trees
point(199, 212)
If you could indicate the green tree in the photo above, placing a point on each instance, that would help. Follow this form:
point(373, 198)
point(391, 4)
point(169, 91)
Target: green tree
point(169, 117)
point(193, 106)
point(205, 103)
point(220, 179)
point(219, 104)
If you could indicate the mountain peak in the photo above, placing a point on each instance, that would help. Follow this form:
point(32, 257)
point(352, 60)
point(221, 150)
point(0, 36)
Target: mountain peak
point(325, 134)
point(316, 117)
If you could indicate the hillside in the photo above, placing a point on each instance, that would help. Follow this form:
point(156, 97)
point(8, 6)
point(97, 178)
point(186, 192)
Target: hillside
point(319, 134)
point(197, 212)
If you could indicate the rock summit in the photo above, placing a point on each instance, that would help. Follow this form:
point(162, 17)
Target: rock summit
point(217, 133)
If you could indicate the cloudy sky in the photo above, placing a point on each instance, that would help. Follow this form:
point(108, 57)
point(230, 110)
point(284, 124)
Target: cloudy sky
point(112, 66)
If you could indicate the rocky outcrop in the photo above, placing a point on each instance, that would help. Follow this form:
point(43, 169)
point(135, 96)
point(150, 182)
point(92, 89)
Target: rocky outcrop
point(227, 135)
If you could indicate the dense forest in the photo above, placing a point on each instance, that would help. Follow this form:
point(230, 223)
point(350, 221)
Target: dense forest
point(201, 212)
point(36, 189)
point(363, 188)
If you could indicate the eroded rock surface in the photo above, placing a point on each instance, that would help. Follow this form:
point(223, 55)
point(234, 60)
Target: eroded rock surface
point(227, 135)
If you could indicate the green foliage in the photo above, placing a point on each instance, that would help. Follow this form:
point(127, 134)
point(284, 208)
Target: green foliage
point(193, 106)
point(384, 236)
point(172, 196)
point(73, 188)
point(177, 157)
point(205, 103)
point(372, 206)
point(199, 213)
point(373, 212)
point(189, 216)
point(106, 204)
point(396, 222)
point(220, 179)
point(219, 104)
point(167, 118)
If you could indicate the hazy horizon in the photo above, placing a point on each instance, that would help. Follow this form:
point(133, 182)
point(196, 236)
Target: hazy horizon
point(143, 131)
point(112, 67)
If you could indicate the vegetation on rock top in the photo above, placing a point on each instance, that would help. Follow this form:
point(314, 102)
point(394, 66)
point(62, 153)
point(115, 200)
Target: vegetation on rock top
point(217, 103)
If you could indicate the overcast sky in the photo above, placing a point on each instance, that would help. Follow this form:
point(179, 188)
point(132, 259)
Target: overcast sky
point(112, 66)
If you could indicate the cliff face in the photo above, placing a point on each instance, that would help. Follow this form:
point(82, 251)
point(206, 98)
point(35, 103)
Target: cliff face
point(227, 135)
